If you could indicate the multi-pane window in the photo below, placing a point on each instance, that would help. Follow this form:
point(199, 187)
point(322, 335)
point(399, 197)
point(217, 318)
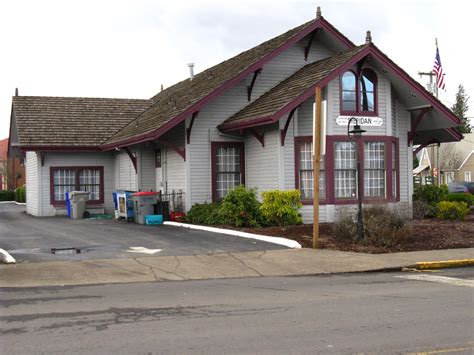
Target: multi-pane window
point(394, 170)
point(67, 179)
point(345, 167)
point(374, 169)
point(358, 92)
point(305, 170)
point(228, 170)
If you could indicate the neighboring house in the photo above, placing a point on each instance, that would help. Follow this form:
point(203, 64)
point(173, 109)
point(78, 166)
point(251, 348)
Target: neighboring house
point(3, 163)
point(456, 161)
point(247, 120)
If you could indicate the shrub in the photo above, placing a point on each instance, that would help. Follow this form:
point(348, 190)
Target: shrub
point(20, 194)
point(204, 214)
point(431, 195)
point(241, 208)
point(7, 195)
point(281, 207)
point(421, 209)
point(452, 210)
point(382, 226)
point(460, 197)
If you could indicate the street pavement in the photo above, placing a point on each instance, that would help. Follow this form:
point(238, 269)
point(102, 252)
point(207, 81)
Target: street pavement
point(332, 314)
point(30, 239)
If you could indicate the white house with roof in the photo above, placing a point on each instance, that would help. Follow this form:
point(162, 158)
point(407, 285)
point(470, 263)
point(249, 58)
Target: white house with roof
point(247, 121)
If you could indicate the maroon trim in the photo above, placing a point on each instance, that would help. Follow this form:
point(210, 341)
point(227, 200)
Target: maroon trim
point(132, 157)
point(260, 136)
point(214, 147)
point(180, 151)
point(250, 88)
point(421, 146)
point(287, 124)
point(298, 141)
point(320, 23)
point(416, 123)
point(188, 130)
point(330, 173)
point(358, 75)
point(77, 169)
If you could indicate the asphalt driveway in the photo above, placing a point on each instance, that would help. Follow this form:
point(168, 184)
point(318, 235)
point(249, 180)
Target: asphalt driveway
point(30, 239)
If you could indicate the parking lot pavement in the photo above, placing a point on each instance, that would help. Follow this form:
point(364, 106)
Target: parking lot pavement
point(31, 239)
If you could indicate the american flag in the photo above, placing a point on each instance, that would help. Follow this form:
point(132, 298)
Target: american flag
point(438, 70)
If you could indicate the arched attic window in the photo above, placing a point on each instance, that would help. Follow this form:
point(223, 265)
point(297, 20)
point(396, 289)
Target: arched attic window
point(359, 93)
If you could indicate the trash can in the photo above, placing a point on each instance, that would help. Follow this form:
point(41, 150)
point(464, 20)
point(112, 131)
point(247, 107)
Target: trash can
point(144, 204)
point(68, 204)
point(78, 203)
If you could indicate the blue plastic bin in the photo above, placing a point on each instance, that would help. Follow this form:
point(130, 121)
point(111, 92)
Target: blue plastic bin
point(68, 204)
point(153, 219)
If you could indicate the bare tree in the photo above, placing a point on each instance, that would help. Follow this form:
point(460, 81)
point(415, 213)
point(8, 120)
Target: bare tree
point(450, 157)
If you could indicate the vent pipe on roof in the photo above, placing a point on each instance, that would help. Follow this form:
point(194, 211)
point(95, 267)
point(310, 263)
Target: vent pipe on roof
point(16, 91)
point(368, 38)
point(162, 87)
point(191, 71)
point(318, 12)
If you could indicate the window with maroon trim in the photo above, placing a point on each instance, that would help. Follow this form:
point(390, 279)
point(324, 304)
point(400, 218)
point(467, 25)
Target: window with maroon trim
point(359, 93)
point(374, 169)
point(227, 167)
point(304, 170)
point(67, 179)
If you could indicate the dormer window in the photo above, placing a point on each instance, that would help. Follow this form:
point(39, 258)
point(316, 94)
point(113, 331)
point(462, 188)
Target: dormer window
point(359, 93)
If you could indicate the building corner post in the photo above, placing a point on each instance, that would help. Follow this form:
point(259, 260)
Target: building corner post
point(316, 165)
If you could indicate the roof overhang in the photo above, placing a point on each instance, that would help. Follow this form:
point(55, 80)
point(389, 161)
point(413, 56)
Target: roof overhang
point(43, 148)
point(411, 93)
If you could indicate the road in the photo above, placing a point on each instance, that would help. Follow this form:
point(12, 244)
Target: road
point(373, 312)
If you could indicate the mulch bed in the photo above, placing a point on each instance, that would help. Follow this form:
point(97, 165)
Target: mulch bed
point(425, 234)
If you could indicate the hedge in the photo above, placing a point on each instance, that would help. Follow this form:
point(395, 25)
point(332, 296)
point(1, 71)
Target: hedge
point(7, 195)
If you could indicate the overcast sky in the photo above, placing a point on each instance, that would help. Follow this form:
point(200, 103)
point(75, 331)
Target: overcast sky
point(127, 49)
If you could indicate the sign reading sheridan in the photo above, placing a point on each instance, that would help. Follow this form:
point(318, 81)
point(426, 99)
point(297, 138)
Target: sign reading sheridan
point(363, 121)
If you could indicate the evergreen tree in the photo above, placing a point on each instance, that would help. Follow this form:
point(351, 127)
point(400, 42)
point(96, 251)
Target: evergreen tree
point(460, 109)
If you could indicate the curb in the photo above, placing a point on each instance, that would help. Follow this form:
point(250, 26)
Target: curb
point(429, 265)
point(275, 240)
point(6, 258)
point(13, 202)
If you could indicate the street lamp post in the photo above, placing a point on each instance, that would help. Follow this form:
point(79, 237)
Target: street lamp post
point(354, 136)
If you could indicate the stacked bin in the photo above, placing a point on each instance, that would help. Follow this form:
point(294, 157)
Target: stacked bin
point(125, 204)
point(144, 204)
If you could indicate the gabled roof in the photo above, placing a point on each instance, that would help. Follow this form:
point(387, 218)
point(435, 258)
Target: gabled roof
point(48, 122)
point(180, 101)
point(465, 160)
point(266, 108)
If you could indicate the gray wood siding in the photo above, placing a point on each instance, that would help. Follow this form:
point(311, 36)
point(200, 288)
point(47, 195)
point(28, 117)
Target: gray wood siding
point(32, 192)
point(146, 164)
point(105, 159)
point(261, 163)
point(204, 129)
point(289, 153)
point(125, 176)
point(174, 166)
point(406, 153)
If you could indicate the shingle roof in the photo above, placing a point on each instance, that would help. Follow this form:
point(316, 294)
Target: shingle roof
point(72, 121)
point(289, 89)
point(178, 98)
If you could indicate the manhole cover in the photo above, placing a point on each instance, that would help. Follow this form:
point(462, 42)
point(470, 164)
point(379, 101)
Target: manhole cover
point(65, 251)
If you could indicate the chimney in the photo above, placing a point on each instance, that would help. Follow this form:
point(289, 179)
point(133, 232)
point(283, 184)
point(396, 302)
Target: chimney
point(318, 12)
point(16, 91)
point(368, 38)
point(191, 71)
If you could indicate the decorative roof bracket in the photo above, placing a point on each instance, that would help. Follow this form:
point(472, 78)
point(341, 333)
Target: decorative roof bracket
point(260, 136)
point(188, 130)
point(308, 47)
point(181, 151)
point(132, 157)
point(416, 123)
point(250, 88)
point(287, 124)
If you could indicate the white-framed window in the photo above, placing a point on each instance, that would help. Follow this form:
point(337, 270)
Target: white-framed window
point(467, 176)
point(374, 169)
point(227, 167)
point(449, 176)
point(304, 163)
point(345, 167)
point(67, 179)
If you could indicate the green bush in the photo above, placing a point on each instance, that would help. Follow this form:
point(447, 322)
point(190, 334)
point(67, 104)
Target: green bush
point(460, 197)
point(281, 207)
point(241, 208)
point(204, 214)
point(7, 195)
point(452, 210)
point(20, 194)
point(382, 226)
point(431, 195)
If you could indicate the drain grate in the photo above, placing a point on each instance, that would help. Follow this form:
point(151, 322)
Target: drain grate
point(65, 251)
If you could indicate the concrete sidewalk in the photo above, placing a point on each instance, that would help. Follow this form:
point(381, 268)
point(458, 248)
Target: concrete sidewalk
point(197, 267)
